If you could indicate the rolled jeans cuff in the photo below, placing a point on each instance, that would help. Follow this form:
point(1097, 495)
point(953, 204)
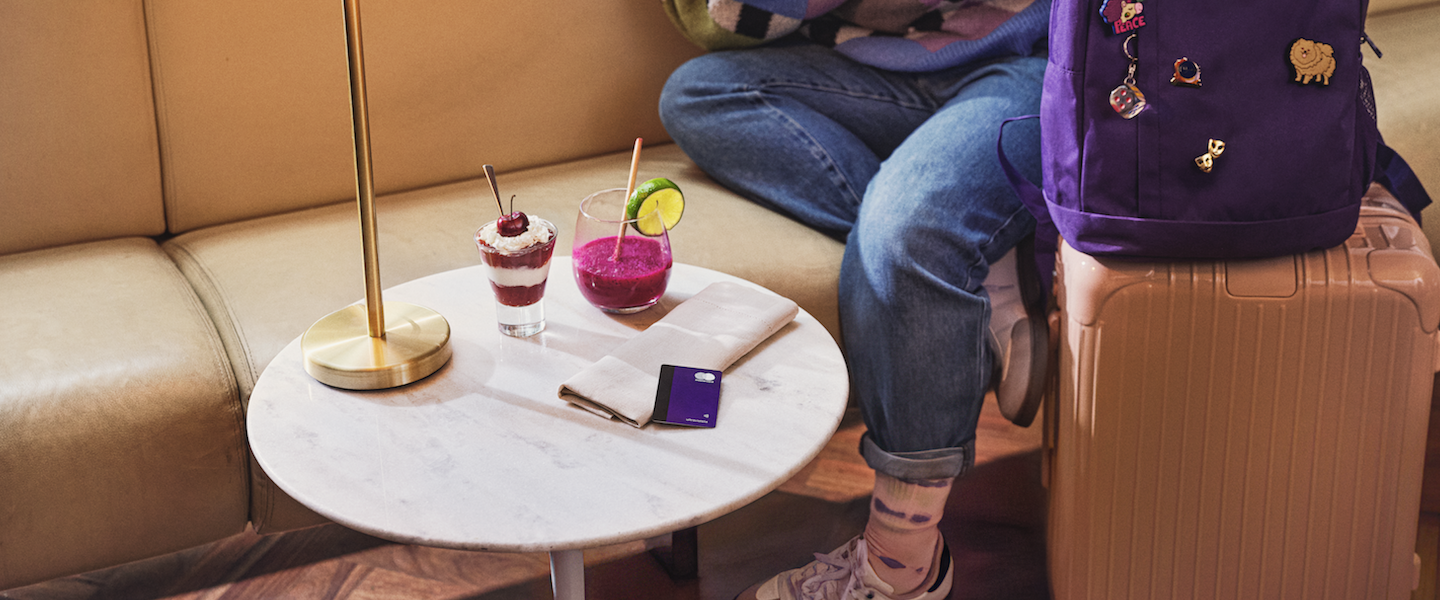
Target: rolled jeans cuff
point(944, 463)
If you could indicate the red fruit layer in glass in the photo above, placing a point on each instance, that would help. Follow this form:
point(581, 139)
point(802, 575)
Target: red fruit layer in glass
point(533, 257)
point(518, 295)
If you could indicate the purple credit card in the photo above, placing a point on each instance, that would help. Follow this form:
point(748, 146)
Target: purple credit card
point(687, 396)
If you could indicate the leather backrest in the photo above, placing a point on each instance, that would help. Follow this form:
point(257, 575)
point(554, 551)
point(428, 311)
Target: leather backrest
point(1384, 6)
point(253, 98)
point(78, 154)
point(250, 101)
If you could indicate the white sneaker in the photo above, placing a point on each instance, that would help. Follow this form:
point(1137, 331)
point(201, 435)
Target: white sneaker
point(1020, 341)
point(845, 574)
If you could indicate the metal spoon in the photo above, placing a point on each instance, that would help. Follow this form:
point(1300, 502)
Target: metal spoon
point(490, 176)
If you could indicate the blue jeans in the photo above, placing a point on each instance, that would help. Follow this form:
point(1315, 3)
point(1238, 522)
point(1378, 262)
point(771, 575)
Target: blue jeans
point(902, 168)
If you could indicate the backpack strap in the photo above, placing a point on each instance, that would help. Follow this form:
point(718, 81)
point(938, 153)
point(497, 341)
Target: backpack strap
point(1028, 192)
point(1395, 174)
point(1047, 236)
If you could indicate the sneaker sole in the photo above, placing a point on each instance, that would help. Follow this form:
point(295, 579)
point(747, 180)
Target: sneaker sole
point(1022, 386)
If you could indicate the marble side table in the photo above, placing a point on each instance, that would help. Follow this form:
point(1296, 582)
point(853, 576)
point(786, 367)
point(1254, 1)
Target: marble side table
point(483, 455)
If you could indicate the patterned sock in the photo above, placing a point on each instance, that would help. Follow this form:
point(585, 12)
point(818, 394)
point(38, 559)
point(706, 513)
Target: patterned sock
point(903, 531)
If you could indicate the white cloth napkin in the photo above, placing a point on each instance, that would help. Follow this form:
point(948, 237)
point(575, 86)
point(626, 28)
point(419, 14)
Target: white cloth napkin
point(711, 330)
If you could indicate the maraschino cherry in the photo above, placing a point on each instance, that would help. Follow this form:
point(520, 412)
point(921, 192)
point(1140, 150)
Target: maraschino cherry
point(509, 225)
point(514, 223)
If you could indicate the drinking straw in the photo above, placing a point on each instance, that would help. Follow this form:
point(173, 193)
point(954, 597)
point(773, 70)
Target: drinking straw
point(624, 202)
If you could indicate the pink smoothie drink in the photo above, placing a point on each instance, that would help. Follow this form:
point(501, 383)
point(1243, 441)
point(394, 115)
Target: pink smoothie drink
point(635, 278)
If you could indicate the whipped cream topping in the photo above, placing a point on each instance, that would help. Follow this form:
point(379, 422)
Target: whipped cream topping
point(521, 277)
point(537, 233)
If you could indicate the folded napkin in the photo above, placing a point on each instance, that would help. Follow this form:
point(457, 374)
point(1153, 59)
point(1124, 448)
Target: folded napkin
point(711, 330)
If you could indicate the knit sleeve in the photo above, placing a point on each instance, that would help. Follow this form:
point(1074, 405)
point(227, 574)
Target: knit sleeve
point(726, 24)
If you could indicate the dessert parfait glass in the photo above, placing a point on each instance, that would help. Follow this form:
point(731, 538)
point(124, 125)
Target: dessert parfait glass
point(617, 268)
point(517, 267)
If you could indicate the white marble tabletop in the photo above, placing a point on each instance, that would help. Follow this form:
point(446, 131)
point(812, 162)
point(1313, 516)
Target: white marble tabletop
point(483, 455)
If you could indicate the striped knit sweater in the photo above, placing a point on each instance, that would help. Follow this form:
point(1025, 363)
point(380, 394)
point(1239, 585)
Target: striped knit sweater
point(898, 35)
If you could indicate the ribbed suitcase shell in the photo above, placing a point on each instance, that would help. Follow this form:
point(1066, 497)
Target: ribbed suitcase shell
point(1244, 429)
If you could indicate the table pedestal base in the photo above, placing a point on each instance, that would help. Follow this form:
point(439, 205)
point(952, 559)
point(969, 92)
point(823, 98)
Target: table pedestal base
point(567, 574)
point(679, 555)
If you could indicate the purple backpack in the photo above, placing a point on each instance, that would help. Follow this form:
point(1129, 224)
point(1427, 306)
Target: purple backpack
point(1177, 129)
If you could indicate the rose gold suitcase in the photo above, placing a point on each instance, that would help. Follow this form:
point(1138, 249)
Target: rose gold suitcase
point(1244, 429)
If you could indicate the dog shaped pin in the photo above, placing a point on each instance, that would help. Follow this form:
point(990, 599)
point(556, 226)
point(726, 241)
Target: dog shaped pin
point(1313, 61)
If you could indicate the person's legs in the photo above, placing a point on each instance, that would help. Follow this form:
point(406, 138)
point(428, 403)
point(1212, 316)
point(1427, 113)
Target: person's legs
point(913, 313)
point(803, 131)
point(798, 128)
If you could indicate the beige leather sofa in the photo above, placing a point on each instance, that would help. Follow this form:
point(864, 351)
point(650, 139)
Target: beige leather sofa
point(176, 205)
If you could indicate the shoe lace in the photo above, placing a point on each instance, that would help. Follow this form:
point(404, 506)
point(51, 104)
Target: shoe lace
point(832, 575)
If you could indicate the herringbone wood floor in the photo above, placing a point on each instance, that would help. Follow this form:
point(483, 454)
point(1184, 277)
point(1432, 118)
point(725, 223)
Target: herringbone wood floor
point(994, 523)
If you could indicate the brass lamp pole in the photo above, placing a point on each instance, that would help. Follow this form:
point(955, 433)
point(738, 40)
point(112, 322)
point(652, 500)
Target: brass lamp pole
point(358, 347)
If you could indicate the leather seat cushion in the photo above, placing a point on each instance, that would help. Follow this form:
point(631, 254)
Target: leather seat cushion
point(120, 426)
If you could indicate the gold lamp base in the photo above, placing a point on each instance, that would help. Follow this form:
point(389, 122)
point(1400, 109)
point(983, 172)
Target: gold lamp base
point(339, 351)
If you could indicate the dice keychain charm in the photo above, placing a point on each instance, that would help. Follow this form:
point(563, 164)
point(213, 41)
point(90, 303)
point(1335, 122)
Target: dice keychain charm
point(1127, 99)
